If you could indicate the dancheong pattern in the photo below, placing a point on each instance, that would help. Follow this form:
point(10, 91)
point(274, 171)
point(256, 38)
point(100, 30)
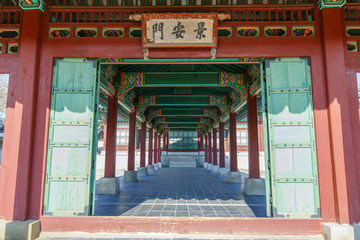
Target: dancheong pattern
point(145, 101)
point(234, 80)
point(131, 80)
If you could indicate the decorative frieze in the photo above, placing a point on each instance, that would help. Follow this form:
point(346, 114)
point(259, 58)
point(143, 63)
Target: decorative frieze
point(113, 32)
point(59, 32)
point(85, 32)
point(248, 31)
point(275, 31)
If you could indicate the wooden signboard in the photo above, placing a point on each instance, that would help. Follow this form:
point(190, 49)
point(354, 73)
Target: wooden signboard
point(179, 30)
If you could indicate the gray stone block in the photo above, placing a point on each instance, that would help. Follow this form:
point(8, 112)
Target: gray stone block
point(222, 172)
point(156, 167)
point(215, 169)
point(209, 166)
point(159, 165)
point(234, 177)
point(205, 165)
point(335, 231)
point(19, 230)
point(254, 186)
point(130, 176)
point(142, 172)
point(109, 186)
point(150, 169)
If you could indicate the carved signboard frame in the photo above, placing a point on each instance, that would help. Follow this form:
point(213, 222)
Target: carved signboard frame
point(145, 18)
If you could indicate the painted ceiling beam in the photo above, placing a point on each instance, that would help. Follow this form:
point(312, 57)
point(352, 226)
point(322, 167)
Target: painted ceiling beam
point(129, 80)
point(182, 100)
point(106, 86)
point(182, 78)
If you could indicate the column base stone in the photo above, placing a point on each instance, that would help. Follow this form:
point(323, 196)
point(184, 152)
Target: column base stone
point(215, 169)
point(150, 169)
point(109, 185)
point(142, 172)
point(209, 166)
point(156, 167)
point(159, 165)
point(223, 172)
point(205, 165)
point(130, 176)
point(19, 230)
point(234, 177)
point(335, 231)
point(254, 186)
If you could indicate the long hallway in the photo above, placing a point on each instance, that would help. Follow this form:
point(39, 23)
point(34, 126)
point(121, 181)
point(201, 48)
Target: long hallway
point(181, 192)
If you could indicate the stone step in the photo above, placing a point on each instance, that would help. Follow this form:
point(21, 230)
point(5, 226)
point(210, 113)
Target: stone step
point(180, 157)
point(183, 154)
point(182, 164)
point(169, 236)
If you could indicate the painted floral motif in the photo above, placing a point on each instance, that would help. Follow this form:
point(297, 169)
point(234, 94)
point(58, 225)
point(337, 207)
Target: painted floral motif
point(58, 33)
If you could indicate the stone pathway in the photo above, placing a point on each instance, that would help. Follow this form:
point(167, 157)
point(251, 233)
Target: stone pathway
point(181, 192)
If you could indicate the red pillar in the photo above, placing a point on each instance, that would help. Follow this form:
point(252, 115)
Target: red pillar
point(341, 134)
point(155, 147)
point(200, 141)
point(233, 150)
point(215, 163)
point(17, 155)
point(105, 134)
point(111, 127)
point(206, 149)
point(165, 141)
point(227, 149)
point(210, 153)
point(221, 145)
point(253, 138)
point(131, 147)
point(150, 146)
point(159, 148)
point(143, 144)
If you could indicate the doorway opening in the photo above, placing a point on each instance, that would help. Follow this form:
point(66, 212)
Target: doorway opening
point(182, 94)
point(183, 97)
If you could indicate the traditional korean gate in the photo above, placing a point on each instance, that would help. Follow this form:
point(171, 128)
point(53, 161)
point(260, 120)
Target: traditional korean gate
point(291, 150)
point(72, 141)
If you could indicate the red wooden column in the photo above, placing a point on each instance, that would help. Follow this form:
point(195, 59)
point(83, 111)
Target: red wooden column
point(19, 132)
point(201, 141)
point(105, 134)
point(155, 147)
point(343, 160)
point(253, 142)
point(111, 128)
point(150, 160)
point(210, 153)
point(221, 145)
point(143, 144)
point(131, 147)
point(206, 151)
point(159, 150)
point(233, 148)
point(166, 141)
point(215, 162)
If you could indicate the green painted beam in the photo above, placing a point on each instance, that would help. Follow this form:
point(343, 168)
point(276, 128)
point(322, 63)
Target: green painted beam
point(182, 78)
point(182, 119)
point(174, 125)
point(182, 100)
